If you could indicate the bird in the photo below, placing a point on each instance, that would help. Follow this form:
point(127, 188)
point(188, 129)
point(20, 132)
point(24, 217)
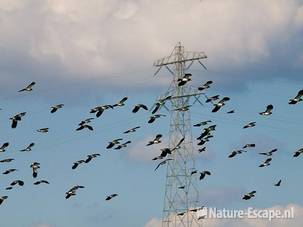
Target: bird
point(220, 104)
point(109, 197)
point(29, 147)
point(160, 103)
point(205, 86)
point(207, 131)
point(183, 108)
point(202, 123)
point(249, 195)
point(83, 126)
point(193, 172)
point(7, 160)
point(28, 87)
point(156, 140)
point(86, 121)
point(278, 183)
point(40, 182)
point(100, 109)
point(181, 187)
point(56, 107)
point(132, 130)
point(212, 98)
point(138, 107)
point(230, 112)
point(2, 198)
point(43, 130)
point(183, 80)
point(154, 117)
point(72, 191)
point(249, 145)
point(203, 174)
point(163, 163)
point(77, 163)
point(9, 171)
point(35, 166)
point(120, 146)
point(17, 182)
point(121, 102)
point(268, 110)
point(266, 163)
point(4, 146)
point(202, 149)
point(250, 125)
point(113, 143)
point(181, 213)
point(296, 99)
point(298, 152)
point(9, 188)
point(167, 151)
point(236, 152)
point(270, 153)
point(16, 118)
point(91, 156)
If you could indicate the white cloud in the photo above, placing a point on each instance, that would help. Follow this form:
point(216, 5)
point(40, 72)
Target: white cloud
point(296, 222)
point(118, 40)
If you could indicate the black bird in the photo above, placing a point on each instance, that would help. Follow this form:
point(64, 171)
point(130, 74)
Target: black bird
point(28, 87)
point(9, 188)
point(121, 102)
point(202, 149)
point(298, 152)
point(213, 98)
point(56, 107)
point(205, 86)
point(250, 125)
point(160, 103)
point(266, 162)
point(83, 126)
point(29, 147)
point(182, 81)
point(17, 182)
point(230, 112)
point(249, 145)
point(268, 110)
point(270, 153)
point(2, 198)
point(86, 121)
point(77, 163)
point(154, 117)
point(40, 182)
point(163, 163)
point(110, 197)
point(138, 107)
point(131, 130)
point(35, 166)
point(72, 191)
point(4, 146)
point(167, 151)
point(181, 213)
point(17, 118)
point(113, 143)
point(296, 99)
point(43, 130)
point(249, 195)
point(207, 131)
point(9, 171)
point(120, 146)
point(183, 108)
point(156, 140)
point(181, 187)
point(91, 156)
point(7, 160)
point(193, 172)
point(100, 109)
point(202, 123)
point(220, 104)
point(236, 152)
point(278, 183)
point(203, 174)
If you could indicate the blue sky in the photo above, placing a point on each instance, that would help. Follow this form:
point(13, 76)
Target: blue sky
point(95, 53)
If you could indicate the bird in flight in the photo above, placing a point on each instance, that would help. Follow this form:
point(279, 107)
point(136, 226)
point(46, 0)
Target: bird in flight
point(250, 125)
point(28, 87)
point(4, 146)
point(72, 191)
point(77, 163)
point(43, 130)
point(154, 117)
point(113, 143)
point(298, 152)
point(9, 171)
point(16, 118)
point(266, 163)
point(296, 99)
point(205, 86)
point(91, 156)
point(249, 195)
point(220, 104)
point(121, 102)
point(278, 183)
point(270, 153)
point(163, 163)
point(236, 152)
point(212, 98)
point(7, 160)
point(2, 198)
point(249, 145)
point(182, 81)
point(100, 109)
point(138, 107)
point(29, 147)
point(109, 197)
point(35, 166)
point(41, 182)
point(132, 130)
point(156, 140)
point(84, 124)
point(203, 174)
point(202, 123)
point(17, 182)
point(268, 110)
point(120, 146)
point(160, 103)
point(56, 107)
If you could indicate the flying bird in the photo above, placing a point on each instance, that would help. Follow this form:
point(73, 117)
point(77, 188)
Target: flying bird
point(77, 163)
point(2, 198)
point(202, 123)
point(182, 81)
point(278, 183)
point(56, 107)
point(249, 195)
point(29, 147)
point(270, 153)
point(91, 156)
point(43, 130)
point(203, 174)
point(236, 152)
point(16, 118)
point(138, 107)
point(160, 103)
point(205, 86)
point(113, 143)
point(163, 163)
point(120, 146)
point(121, 102)
point(28, 87)
point(154, 117)
point(41, 182)
point(220, 104)
point(72, 191)
point(9, 171)
point(268, 110)
point(100, 109)
point(7, 160)
point(249, 145)
point(132, 130)
point(266, 163)
point(156, 140)
point(110, 197)
point(4, 146)
point(296, 99)
point(83, 126)
point(212, 98)
point(35, 166)
point(230, 112)
point(298, 152)
point(17, 182)
point(250, 125)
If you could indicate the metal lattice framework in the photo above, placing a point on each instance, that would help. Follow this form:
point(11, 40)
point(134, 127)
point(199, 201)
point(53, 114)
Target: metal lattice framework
point(177, 201)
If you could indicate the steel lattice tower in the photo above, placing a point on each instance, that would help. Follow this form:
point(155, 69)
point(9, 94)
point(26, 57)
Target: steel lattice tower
point(178, 202)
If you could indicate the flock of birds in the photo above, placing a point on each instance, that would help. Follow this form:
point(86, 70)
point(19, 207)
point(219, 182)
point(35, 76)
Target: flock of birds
point(166, 154)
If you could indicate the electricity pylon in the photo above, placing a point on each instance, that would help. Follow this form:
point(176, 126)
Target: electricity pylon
point(181, 192)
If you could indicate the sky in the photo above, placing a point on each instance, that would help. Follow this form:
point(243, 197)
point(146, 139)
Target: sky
point(95, 52)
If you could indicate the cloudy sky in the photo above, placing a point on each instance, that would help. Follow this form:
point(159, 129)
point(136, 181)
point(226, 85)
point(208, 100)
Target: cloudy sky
point(94, 52)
